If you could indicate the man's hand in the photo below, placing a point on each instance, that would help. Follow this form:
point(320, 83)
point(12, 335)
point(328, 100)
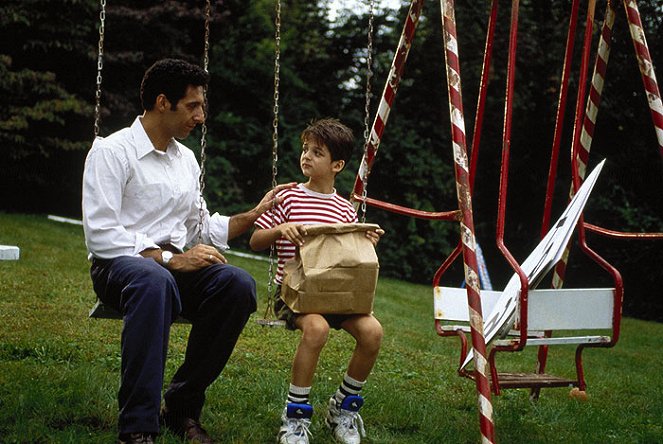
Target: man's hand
point(198, 257)
point(268, 200)
point(239, 223)
point(375, 235)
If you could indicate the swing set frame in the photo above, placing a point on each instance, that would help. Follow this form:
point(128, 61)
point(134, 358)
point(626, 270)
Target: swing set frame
point(534, 305)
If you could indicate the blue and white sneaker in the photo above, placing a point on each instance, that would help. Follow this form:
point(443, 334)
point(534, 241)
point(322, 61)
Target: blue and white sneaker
point(296, 420)
point(344, 420)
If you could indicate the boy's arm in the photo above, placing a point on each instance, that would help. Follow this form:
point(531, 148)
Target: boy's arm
point(263, 238)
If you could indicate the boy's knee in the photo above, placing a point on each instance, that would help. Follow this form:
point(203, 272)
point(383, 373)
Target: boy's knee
point(316, 332)
point(372, 333)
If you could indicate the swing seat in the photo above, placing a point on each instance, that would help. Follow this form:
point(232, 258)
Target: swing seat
point(103, 311)
point(547, 310)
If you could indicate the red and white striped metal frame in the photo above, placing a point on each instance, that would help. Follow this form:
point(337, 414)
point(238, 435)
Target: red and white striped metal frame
point(388, 96)
point(582, 155)
point(646, 69)
point(589, 122)
point(653, 98)
point(461, 167)
point(559, 120)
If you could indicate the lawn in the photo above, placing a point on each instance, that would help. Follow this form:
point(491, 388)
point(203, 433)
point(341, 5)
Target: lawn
point(59, 369)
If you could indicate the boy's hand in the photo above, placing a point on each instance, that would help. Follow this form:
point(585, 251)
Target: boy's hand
point(375, 235)
point(293, 232)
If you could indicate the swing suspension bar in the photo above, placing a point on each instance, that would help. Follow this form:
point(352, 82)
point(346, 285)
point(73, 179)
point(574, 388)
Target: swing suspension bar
point(467, 223)
point(388, 95)
point(203, 127)
point(267, 319)
point(100, 67)
point(367, 108)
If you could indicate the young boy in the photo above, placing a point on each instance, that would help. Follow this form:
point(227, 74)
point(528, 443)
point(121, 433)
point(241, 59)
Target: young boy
point(326, 147)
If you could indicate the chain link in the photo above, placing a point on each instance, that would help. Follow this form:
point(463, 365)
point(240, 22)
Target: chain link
point(100, 66)
point(367, 108)
point(203, 127)
point(275, 151)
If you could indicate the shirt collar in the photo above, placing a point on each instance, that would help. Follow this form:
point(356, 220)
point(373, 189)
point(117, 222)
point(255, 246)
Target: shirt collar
point(144, 145)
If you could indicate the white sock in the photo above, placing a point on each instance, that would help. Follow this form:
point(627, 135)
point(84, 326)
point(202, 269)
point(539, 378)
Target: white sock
point(349, 386)
point(298, 395)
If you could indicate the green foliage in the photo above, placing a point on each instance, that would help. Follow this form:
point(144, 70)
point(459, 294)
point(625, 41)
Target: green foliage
point(48, 73)
point(59, 370)
point(44, 122)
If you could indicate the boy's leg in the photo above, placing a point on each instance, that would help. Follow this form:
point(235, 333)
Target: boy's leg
point(315, 331)
point(296, 417)
point(367, 331)
point(342, 415)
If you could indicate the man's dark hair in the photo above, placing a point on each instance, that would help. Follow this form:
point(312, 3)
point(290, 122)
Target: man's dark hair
point(170, 77)
point(337, 137)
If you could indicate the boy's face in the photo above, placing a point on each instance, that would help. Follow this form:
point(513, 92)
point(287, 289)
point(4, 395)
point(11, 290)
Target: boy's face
point(316, 162)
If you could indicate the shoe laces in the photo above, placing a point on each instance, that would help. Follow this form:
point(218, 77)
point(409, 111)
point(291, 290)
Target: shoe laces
point(298, 427)
point(349, 420)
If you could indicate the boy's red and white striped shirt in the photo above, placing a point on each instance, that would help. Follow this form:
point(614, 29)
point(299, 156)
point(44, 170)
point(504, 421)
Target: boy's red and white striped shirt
point(303, 206)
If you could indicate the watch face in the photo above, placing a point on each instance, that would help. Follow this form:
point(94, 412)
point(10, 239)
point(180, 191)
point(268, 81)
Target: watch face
point(166, 256)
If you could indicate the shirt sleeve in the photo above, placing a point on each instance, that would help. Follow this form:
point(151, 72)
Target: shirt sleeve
point(104, 179)
point(214, 227)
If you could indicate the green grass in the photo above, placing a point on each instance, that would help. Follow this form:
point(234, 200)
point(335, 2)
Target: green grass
point(59, 370)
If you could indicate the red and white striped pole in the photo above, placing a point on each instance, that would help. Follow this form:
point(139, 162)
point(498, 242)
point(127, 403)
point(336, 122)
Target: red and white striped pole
point(467, 224)
point(589, 122)
point(646, 69)
point(388, 95)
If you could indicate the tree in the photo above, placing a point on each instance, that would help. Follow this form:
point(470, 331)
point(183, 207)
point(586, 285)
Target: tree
point(44, 124)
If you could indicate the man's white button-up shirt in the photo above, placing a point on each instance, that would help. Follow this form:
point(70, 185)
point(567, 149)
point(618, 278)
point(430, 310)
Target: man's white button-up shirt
point(136, 197)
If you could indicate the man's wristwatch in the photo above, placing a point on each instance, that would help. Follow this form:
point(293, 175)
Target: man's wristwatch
point(166, 256)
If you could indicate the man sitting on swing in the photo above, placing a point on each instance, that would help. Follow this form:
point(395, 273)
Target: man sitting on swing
point(327, 146)
point(141, 209)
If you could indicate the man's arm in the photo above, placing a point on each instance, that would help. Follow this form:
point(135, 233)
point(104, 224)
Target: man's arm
point(200, 256)
point(239, 223)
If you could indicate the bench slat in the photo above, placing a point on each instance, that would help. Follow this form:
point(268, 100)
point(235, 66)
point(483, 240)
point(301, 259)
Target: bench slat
point(103, 311)
point(560, 341)
point(549, 309)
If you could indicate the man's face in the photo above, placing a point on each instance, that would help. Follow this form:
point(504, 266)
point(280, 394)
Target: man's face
point(188, 113)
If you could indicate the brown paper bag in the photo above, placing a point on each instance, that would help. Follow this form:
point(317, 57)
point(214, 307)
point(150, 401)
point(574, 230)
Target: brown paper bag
point(334, 272)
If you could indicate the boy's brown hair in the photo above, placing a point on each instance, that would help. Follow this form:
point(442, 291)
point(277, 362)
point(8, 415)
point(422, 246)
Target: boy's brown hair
point(337, 137)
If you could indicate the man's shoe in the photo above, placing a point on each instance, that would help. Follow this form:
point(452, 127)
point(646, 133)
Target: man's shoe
point(187, 428)
point(136, 438)
point(296, 420)
point(344, 420)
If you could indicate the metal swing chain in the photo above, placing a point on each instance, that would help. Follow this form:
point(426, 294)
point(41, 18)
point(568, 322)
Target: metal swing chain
point(367, 108)
point(275, 156)
point(203, 127)
point(100, 66)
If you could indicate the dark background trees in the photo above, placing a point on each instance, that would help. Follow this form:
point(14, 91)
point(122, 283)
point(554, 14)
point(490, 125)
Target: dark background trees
point(48, 73)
